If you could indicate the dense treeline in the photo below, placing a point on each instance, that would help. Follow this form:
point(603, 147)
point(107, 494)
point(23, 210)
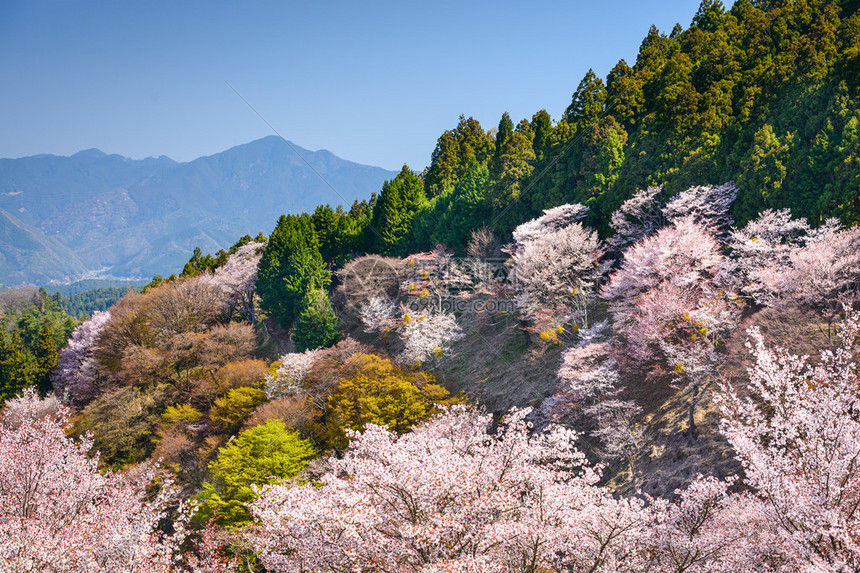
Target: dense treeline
point(83, 304)
point(34, 327)
point(764, 94)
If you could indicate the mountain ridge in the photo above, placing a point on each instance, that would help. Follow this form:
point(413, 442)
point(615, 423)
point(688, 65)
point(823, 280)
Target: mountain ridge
point(133, 218)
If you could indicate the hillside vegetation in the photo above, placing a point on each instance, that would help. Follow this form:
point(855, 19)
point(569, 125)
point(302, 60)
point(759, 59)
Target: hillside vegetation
point(622, 341)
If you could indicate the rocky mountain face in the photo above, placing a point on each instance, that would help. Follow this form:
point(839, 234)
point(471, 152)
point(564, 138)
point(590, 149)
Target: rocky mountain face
point(92, 214)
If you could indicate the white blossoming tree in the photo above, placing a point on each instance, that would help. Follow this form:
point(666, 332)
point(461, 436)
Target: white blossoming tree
point(75, 379)
point(58, 513)
point(450, 497)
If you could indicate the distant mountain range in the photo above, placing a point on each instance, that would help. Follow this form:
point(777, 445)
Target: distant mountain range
point(93, 214)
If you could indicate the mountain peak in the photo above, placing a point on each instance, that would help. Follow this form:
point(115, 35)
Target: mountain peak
point(92, 153)
point(144, 217)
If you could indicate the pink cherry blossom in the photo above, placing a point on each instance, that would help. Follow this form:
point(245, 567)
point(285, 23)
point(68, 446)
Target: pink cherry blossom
point(58, 513)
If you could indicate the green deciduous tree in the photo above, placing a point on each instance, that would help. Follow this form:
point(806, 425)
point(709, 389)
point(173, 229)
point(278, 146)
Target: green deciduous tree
point(261, 455)
point(380, 393)
point(231, 410)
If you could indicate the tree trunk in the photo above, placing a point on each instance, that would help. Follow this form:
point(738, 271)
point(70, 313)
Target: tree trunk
point(694, 400)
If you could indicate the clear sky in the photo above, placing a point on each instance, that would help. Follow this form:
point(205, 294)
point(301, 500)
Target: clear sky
point(373, 82)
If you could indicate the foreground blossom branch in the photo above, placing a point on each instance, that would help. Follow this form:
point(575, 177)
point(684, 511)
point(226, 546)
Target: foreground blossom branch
point(58, 513)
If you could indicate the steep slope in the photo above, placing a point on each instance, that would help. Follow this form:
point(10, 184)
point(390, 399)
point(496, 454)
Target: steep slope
point(28, 255)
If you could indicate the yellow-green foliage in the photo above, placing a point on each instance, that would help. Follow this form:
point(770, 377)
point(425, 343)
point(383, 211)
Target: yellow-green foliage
point(181, 414)
point(231, 410)
point(378, 392)
point(261, 455)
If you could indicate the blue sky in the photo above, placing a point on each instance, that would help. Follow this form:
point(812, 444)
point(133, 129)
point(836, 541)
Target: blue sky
point(374, 82)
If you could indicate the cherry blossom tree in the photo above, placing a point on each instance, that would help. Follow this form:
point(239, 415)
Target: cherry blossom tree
point(556, 266)
point(622, 437)
point(674, 274)
point(75, 379)
point(637, 218)
point(238, 277)
point(59, 514)
point(590, 387)
point(429, 281)
point(552, 220)
point(707, 205)
point(822, 274)
point(797, 434)
point(427, 335)
point(588, 371)
point(377, 313)
point(706, 529)
point(764, 247)
point(668, 300)
point(292, 370)
point(435, 275)
point(451, 497)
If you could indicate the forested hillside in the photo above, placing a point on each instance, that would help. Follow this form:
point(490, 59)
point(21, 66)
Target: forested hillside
point(33, 327)
point(762, 94)
point(625, 340)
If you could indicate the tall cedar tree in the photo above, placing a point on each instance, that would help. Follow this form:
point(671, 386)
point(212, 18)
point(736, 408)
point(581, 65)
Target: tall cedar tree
point(588, 99)
point(13, 365)
point(316, 326)
point(392, 216)
point(46, 360)
point(506, 129)
point(326, 226)
point(291, 264)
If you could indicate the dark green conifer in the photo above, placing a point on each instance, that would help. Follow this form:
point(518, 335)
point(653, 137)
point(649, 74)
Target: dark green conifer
point(316, 326)
point(290, 264)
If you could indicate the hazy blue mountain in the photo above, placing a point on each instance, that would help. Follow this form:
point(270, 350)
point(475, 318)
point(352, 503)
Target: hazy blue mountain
point(134, 218)
point(27, 255)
